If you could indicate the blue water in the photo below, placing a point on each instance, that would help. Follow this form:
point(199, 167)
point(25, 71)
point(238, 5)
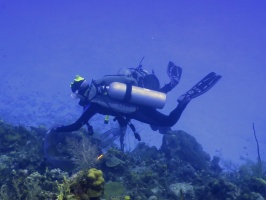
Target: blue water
point(44, 44)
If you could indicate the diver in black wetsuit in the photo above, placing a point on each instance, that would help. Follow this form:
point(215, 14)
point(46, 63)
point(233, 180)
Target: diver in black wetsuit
point(148, 115)
point(145, 80)
point(133, 76)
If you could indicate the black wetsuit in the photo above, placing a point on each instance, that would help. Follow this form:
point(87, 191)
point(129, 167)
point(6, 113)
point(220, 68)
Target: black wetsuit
point(143, 114)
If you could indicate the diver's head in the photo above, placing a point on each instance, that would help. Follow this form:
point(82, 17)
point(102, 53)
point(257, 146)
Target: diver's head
point(79, 87)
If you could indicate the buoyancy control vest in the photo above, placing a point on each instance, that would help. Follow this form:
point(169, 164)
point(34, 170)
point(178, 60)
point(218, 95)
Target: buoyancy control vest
point(120, 94)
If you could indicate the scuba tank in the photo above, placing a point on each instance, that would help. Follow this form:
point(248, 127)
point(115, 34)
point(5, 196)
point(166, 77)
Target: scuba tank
point(136, 95)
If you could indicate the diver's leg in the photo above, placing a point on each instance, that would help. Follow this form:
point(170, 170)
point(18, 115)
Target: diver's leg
point(166, 88)
point(163, 123)
point(200, 88)
point(157, 119)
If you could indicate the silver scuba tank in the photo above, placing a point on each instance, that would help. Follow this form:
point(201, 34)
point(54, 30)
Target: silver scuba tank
point(136, 95)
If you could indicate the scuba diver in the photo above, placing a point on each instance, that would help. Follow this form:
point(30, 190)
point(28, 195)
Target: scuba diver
point(120, 96)
point(114, 95)
point(143, 79)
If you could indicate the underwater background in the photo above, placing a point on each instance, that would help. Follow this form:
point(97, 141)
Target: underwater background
point(44, 44)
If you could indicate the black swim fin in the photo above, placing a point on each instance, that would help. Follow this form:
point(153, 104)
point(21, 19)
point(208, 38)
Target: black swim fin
point(201, 87)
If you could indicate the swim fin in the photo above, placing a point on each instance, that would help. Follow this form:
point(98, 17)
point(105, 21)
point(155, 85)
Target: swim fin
point(201, 87)
point(174, 72)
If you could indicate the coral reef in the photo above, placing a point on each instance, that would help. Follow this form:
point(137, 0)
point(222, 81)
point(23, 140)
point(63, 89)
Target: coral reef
point(114, 189)
point(180, 169)
point(82, 185)
point(83, 152)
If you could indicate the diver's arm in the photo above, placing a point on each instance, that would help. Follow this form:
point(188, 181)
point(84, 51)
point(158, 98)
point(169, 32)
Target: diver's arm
point(84, 118)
